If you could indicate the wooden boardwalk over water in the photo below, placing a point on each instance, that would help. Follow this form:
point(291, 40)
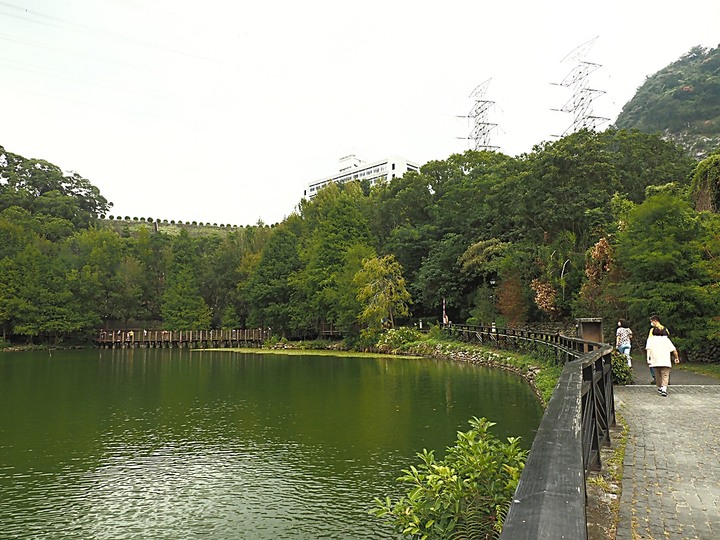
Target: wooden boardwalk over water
point(191, 339)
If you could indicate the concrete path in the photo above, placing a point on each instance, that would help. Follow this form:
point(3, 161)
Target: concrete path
point(671, 473)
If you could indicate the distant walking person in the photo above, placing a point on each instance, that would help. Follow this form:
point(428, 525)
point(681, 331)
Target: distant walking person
point(658, 328)
point(660, 354)
point(623, 338)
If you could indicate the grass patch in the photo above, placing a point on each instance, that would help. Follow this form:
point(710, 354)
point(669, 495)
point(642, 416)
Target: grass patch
point(711, 370)
point(546, 379)
point(604, 487)
point(615, 463)
point(599, 481)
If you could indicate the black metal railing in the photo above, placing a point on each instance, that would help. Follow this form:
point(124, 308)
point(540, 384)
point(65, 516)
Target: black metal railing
point(550, 499)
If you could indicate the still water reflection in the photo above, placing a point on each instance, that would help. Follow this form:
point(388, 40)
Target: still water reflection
point(188, 444)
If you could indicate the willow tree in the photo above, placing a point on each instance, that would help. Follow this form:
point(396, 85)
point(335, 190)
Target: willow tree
point(382, 292)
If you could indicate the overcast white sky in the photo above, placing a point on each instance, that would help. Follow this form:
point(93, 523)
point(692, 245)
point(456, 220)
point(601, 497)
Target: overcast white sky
point(222, 111)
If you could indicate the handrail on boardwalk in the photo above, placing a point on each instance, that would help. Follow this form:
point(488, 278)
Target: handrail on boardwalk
point(550, 499)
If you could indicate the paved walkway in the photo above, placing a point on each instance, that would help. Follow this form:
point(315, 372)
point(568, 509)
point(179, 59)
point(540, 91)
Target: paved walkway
point(671, 473)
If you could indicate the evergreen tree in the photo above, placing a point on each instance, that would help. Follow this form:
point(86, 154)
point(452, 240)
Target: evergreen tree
point(183, 307)
point(270, 290)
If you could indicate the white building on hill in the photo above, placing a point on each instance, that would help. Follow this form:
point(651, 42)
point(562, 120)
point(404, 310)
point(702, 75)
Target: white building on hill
point(352, 168)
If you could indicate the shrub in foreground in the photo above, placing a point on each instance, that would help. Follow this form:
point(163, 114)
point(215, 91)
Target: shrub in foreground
point(622, 374)
point(467, 494)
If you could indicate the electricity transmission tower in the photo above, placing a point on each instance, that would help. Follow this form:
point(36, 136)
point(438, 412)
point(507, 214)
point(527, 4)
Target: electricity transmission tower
point(482, 129)
point(580, 105)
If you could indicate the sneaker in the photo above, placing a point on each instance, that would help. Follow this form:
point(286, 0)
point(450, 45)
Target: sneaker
point(663, 393)
point(659, 390)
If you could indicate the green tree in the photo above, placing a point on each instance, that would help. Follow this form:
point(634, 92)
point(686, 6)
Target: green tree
point(96, 255)
point(183, 307)
point(41, 187)
point(130, 280)
point(153, 254)
point(461, 187)
point(336, 221)
point(406, 201)
point(663, 255)
point(382, 292)
point(482, 261)
point(230, 318)
point(10, 300)
point(17, 229)
point(402, 220)
point(270, 290)
point(643, 160)
point(428, 219)
point(347, 307)
point(43, 301)
point(441, 276)
point(706, 184)
point(567, 185)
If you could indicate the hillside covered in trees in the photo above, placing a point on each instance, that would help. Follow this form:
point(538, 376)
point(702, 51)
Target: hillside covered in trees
point(607, 224)
point(681, 101)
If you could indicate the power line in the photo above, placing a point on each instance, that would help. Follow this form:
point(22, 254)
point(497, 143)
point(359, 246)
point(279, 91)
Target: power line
point(75, 72)
point(85, 81)
point(64, 24)
point(64, 50)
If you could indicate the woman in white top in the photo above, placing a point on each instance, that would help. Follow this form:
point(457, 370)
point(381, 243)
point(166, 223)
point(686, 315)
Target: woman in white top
point(660, 354)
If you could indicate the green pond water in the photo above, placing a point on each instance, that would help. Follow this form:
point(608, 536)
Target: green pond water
point(180, 444)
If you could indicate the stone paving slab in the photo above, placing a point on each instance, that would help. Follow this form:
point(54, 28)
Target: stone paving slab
point(671, 472)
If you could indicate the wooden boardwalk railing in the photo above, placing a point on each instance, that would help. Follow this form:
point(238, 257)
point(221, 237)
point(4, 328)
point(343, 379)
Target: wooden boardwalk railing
point(192, 339)
point(550, 499)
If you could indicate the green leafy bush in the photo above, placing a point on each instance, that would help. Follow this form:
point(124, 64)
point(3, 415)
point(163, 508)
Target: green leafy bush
point(621, 373)
point(394, 338)
point(436, 332)
point(466, 495)
point(366, 340)
point(271, 341)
